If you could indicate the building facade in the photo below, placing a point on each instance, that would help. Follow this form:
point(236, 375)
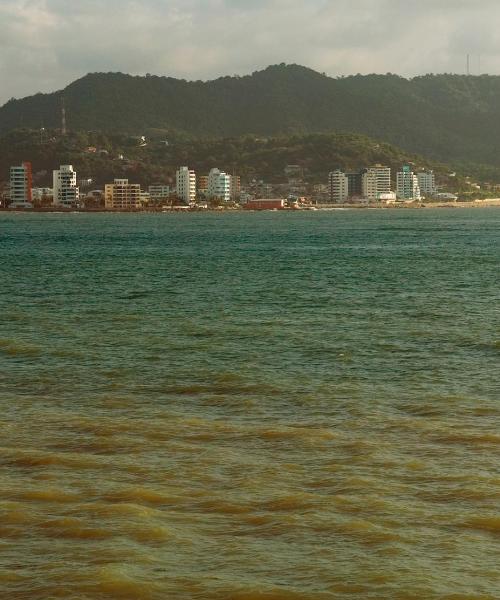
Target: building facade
point(266, 204)
point(122, 195)
point(42, 195)
point(376, 181)
point(219, 185)
point(186, 185)
point(407, 185)
point(338, 186)
point(159, 192)
point(235, 188)
point(202, 184)
point(427, 183)
point(369, 184)
point(66, 192)
point(21, 183)
point(355, 185)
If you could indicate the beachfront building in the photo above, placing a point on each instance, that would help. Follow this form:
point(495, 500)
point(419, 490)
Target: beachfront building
point(446, 196)
point(186, 185)
point(355, 184)
point(383, 176)
point(159, 192)
point(369, 187)
point(376, 180)
point(202, 184)
point(66, 192)
point(20, 186)
point(235, 188)
point(389, 198)
point(42, 195)
point(122, 195)
point(265, 204)
point(219, 186)
point(407, 185)
point(427, 183)
point(339, 186)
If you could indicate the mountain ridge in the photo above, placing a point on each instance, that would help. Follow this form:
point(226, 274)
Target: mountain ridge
point(446, 117)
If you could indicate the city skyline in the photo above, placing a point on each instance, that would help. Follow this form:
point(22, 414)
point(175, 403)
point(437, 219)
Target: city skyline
point(367, 185)
point(46, 44)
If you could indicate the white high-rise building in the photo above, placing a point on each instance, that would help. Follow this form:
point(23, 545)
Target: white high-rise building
point(376, 181)
point(219, 185)
point(20, 185)
point(339, 186)
point(383, 175)
point(186, 185)
point(407, 185)
point(66, 192)
point(427, 183)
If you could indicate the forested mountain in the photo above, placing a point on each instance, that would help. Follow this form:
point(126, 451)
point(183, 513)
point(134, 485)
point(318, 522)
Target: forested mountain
point(446, 117)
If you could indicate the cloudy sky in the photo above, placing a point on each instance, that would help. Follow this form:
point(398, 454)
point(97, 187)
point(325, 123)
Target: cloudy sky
point(45, 44)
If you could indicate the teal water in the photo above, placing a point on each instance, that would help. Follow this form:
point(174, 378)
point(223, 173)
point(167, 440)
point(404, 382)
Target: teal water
point(250, 406)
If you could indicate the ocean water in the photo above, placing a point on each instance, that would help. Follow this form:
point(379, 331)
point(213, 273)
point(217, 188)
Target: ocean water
point(270, 406)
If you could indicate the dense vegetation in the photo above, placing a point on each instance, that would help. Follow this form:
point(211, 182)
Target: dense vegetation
point(105, 156)
point(446, 117)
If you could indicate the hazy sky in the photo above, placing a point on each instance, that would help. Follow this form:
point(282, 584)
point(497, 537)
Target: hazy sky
point(45, 44)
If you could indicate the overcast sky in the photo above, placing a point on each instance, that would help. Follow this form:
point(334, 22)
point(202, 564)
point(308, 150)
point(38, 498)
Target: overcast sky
point(46, 44)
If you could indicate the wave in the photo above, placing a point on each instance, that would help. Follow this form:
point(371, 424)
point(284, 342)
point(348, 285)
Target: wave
point(490, 524)
point(15, 348)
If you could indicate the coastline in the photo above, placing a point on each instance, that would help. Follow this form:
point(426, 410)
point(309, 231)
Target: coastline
point(488, 203)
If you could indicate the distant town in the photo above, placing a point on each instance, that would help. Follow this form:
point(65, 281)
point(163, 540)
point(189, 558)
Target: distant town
point(371, 186)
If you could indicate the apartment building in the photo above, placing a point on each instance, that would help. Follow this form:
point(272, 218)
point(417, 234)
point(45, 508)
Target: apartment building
point(202, 184)
point(339, 186)
point(355, 184)
point(235, 187)
point(66, 192)
point(159, 192)
point(407, 185)
point(427, 183)
point(122, 195)
point(219, 185)
point(186, 185)
point(369, 184)
point(21, 182)
point(376, 180)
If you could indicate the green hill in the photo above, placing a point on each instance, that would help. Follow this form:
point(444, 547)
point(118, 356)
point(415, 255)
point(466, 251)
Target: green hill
point(119, 155)
point(446, 117)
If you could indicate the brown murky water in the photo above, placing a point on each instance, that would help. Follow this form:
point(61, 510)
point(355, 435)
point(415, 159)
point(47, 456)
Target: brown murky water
point(252, 425)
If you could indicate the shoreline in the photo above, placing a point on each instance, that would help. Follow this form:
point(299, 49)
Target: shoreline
point(492, 203)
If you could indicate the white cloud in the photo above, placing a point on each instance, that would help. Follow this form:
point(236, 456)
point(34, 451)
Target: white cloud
point(45, 44)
